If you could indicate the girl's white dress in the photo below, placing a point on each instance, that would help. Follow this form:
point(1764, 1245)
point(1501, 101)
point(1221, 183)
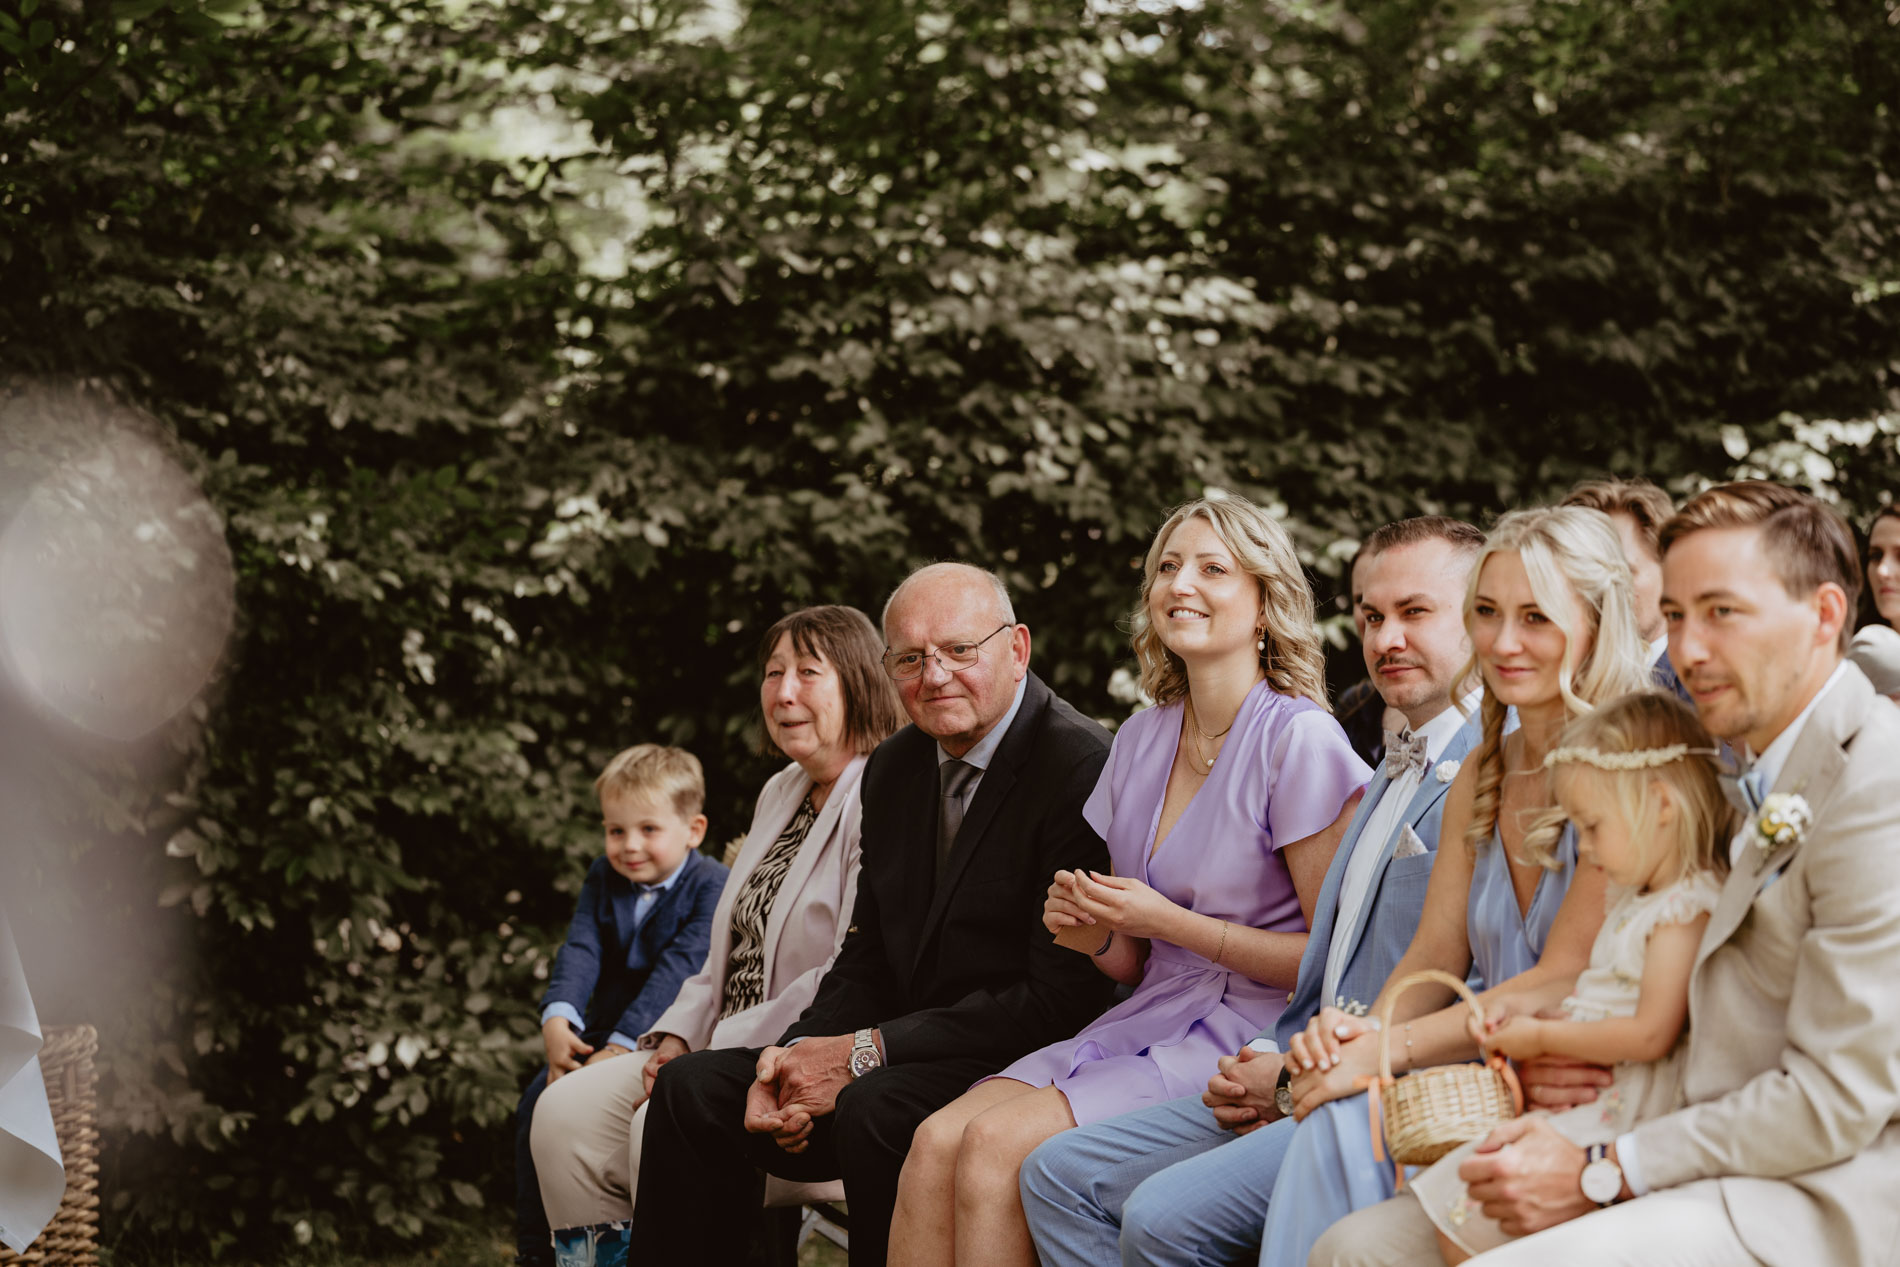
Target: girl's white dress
point(1607, 988)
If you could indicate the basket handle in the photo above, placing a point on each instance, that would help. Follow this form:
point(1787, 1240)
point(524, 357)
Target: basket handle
point(1391, 1000)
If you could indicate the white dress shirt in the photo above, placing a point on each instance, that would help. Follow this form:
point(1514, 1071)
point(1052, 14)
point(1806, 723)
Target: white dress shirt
point(1355, 886)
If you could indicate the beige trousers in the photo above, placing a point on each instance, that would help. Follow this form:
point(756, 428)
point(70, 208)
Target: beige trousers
point(586, 1141)
point(1681, 1227)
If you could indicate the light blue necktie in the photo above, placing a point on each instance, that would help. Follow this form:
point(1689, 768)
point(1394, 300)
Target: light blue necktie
point(1753, 793)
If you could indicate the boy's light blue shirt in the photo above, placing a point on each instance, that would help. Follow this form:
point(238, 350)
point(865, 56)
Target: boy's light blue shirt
point(649, 894)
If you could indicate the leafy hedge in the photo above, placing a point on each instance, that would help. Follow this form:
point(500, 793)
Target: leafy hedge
point(537, 355)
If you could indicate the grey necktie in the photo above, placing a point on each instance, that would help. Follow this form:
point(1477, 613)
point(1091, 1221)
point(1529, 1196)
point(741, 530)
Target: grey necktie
point(953, 777)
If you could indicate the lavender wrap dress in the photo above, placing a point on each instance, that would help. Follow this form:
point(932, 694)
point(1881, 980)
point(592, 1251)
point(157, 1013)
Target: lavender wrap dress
point(1283, 774)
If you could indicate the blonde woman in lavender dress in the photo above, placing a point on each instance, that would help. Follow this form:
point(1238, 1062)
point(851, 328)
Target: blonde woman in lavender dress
point(1221, 807)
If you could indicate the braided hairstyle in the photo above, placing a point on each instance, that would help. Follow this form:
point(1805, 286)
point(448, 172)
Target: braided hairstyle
point(1569, 553)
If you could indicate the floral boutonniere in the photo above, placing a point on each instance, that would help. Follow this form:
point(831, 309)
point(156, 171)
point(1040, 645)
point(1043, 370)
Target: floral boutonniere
point(1446, 771)
point(1783, 819)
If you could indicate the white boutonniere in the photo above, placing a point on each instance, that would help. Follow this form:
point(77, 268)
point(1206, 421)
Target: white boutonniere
point(1351, 1007)
point(1446, 771)
point(1783, 819)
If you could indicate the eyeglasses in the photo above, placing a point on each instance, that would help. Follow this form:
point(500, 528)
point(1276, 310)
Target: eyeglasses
point(957, 656)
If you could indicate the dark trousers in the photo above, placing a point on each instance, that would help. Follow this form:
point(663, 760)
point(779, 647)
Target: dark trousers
point(700, 1186)
point(531, 1220)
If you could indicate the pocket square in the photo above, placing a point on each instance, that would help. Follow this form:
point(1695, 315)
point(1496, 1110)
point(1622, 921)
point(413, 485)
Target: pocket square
point(1410, 846)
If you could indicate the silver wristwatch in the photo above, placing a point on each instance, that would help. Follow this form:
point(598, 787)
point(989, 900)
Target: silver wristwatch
point(864, 1057)
point(1602, 1179)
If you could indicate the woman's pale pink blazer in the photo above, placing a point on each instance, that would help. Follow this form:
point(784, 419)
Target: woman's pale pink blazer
point(804, 930)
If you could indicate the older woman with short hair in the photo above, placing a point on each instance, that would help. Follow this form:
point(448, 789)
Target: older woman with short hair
point(825, 702)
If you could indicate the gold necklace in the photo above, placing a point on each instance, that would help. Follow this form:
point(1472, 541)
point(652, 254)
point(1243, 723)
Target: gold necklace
point(1206, 761)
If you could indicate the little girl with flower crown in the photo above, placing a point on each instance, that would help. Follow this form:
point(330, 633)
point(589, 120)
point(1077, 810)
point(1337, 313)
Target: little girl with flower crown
point(1638, 780)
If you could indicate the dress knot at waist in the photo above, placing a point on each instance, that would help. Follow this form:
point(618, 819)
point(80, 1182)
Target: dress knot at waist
point(1167, 960)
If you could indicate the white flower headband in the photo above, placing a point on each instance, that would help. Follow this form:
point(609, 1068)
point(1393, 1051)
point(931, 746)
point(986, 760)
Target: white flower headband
point(1641, 759)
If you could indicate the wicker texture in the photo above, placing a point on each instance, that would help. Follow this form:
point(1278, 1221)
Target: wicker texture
point(1431, 1111)
point(66, 1062)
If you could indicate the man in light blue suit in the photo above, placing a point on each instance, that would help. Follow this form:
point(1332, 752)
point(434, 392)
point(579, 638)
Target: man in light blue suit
point(1187, 1182)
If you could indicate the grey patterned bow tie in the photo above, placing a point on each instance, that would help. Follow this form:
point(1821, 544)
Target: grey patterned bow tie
point(1404, 751)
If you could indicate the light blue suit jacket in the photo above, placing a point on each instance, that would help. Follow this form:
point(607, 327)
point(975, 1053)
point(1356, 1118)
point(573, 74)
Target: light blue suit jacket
point(1394, 901)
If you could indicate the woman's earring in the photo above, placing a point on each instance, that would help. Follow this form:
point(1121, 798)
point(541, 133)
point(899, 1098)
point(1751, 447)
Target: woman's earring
point(1260, 641)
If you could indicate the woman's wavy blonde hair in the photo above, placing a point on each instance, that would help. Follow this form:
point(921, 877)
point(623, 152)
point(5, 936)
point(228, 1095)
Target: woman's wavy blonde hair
point(1567, 551)
point(1648, 722)
point(1293, 661)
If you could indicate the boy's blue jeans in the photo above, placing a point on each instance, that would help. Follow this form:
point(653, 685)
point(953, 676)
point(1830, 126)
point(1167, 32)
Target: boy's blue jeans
point(602, 1245)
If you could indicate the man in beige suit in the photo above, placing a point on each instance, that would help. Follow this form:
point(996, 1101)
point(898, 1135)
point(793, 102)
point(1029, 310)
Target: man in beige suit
point(1786, 1149)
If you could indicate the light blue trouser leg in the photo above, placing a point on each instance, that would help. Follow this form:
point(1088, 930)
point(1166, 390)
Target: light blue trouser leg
point(1206, 1210)
point(1329, 1172)
point(1162, 1185)
point(597, 1245)
point(1074, 1185)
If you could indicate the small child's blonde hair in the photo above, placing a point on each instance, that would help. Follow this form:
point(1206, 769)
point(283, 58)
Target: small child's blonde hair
point(1670, 747)
point(656, 772)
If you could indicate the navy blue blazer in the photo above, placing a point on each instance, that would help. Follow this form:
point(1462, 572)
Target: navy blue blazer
point(621, 984)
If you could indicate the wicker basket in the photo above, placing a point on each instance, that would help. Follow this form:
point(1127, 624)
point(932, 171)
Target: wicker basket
point(1431, 1111)
point(71, 1239)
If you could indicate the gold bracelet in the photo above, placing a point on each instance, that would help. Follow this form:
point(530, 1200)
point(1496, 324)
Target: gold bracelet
point(1222, 948)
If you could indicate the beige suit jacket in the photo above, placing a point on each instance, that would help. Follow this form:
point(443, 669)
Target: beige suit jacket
point(1791, 1078)
point(804, 930)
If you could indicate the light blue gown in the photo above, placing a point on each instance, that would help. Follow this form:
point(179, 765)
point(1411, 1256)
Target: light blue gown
point(1329, 1170)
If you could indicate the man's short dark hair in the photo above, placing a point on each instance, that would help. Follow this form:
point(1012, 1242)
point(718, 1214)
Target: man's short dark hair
point(1456, 533)
point(1648, 507)
point(1807, 541)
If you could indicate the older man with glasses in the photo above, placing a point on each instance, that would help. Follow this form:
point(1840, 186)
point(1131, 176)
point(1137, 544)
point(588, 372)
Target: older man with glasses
point(947, 974)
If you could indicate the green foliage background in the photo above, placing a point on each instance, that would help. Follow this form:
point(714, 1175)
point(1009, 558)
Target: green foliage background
point(537, 353)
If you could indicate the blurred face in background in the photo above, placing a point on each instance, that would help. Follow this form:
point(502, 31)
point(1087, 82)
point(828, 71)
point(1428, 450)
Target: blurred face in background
point(1883, 567)
point(1645, 572)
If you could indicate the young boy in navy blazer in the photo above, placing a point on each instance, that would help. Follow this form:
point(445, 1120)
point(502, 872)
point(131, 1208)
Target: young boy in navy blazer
point(641, 928)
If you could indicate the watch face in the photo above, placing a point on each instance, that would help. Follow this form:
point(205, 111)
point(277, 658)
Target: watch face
point(863, 1061)
point(1283, 1100)
point(1602, 1180)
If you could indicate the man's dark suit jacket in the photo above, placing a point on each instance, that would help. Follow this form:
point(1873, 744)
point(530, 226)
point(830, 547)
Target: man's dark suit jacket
point(622, 983)
point(966, 969)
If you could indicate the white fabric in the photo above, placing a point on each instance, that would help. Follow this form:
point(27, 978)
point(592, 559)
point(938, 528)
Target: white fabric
point(1656, 650)
point(1355, 886)
point(1612, 984)
point(32, 1175)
